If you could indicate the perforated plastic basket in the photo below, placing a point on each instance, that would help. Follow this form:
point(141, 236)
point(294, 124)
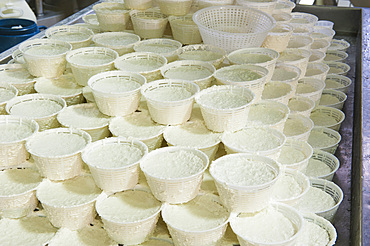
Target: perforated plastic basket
point(341, 96)
point(304, 148)
point(325, 23)
point(266, 6)
point(184, 29)
point(114, 179)
point(124, 44)
point(149, 23)
point(138, 4)
point(284, 7)
point(77, 36)
point(337, 44)
point(335, 55)
point(342, 83)
point(236, 26)
point(317, 70)
point(332, 113)
point(299, 30)
point(282, 18)
point(288, 74)
point(304, 19)
point(304, 128)
point(339, 68)
point(9, 89)
point(317, 85)
point(112, 16)
point(203, 52)
point(327, 133)
point(278, 38)
point(328, 159)
point(174, 7)
point(316, 56)
point(301, 105)
point(323, 33)
point(56, 167)
point(163, 46)
point(117, 103)
point(209, 3)
point(296, 57)
point(300, 42)
point(320, 45)
point(277, 91)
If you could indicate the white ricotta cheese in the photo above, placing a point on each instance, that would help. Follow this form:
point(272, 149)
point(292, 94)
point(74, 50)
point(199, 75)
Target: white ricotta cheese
point(70, 36)
point(266, 226)
point(28, 231)
point(129, 206)
point(313, 72)
point(168, 93)
point(328, 99)
point(319, 139)
point(289, 57)
point(238, 75)
point(321, 119)
point(6, 95)
point(12, 132)
point(290, 155)
point(118, 40)
point(16, 76)
point(64, 86)
point(91, 59)
point(276, 90)
point(294, 127)
point(296, 105)
point(46, 50)
point(160, 48)
point(335, 70)
point(200, 214)
point(222, 99)
point(281, 74)
point(244, 58)
point(72, 192)
point(317, 168)
point(36, 108)
point(114, 155)
point(200, 55)
point(287, 187)
point(139, 65)
point(262, 114)
point(315, 200)
point(188, 72)
point(303, 88)
point(173, 164)
point(115, 85)
point(332, 84)
point(313, 235)
point(18, 181)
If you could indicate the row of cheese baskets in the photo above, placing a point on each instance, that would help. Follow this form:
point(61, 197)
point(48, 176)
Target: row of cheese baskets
point(121, 130)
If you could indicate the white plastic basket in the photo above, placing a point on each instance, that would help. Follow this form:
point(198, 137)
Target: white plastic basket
point(174, 7)
point(300, 42)
point(316, 56)
point(170, 112)
point(186, 237)
point(18, 58)
point(121, 42)
point(337, 44)
point(267, 104)
point(83, 70)
point(303, 129)
point(41, 62)
point(304, 148)
point(150, 72)
point(278, 38)
point(325, 23)
point(246, 198)
point(184, 29)
point(112, 16)
point(128, 233)
point(245, 56)
point(329, 112)
point(284, 7)
point(304, 19)
point(138, 4)
point(116, 103)
point(339, 68)
point(334, 191)
point(14, 153)
point(193, 66)
point(288, 74)
point(290, 213)
point(301, 105)
point(149, 23)
point(225, 119)
point(236, 27)
point(328, 159)
point(91, 20)
point(335, 56)
point(15, 205)
point(232, 147)
point(114, 179)
point(175, 190)
point(58, 167)
point(277, 91)
point(327, 133)
point(80, 111)
point(320, 45)
point(282, 18)
point(341, 96)
point(222, 77)
point(318, 86)
point(203, 52)
point(163, 46)
point(322, 33)
point(210, 3)
point(342, 83)
point(317, 70)
point(45, 122)
point(299, 30)
point(77, 36)
point(9, 89)
point(302, 181)
point(296, 57)
point(266, 6)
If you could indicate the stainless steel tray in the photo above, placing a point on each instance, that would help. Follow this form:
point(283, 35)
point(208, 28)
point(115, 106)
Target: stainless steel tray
point(350, 24)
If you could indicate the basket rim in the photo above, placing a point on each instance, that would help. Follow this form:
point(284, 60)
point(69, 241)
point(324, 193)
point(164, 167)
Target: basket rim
point(70, 29)
point(113, 140)
point(305, 99)
point(93, 50)
point(96, 37)
point(245, 67)
point(180, 63)
point(24, 45)
point(9, 87)
point(314, 217)
point(343, 44)
point(20, 119)
point(341, 65)
point(342, 55)
point(289, 93)
point(330, 156)
point(42, 81)
point(281, 107)
point(288, 67)
point(328, 183)
point(196, 14)
point(332, 91)
point(331, 131)
point(159, 41)
point(273, 54)
point(133, 55)
point(301, 118)
point(341, 78)
point(15, 67)
point(340, 112)
point(292, 141)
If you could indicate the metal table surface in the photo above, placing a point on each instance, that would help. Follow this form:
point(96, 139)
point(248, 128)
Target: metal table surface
point(353, 24)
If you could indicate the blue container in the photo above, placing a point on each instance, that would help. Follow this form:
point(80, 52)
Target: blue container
point(14, 31)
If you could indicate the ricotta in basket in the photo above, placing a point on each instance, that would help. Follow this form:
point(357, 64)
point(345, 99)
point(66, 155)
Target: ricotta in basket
point(315, 200)
point(18, 181)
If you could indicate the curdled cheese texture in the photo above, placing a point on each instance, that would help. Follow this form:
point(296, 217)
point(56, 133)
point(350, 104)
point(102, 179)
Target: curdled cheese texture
point(297, 105)
point(115, 85)
point(90, 59)
point(129, 206)
point(18, 181)
point(319, 139)
point(332, 84)
point(294, 127)
point(12, 132)
point(71, 192)
point(114, 155)
point(261, 114)
point(317, 168)
point(65, 85)
point(28, 231)
point(173, 164)
point(287, 187)
point(137, 125)
point(88, 236)
point(238, 75)
point(313, 235)
point(16, 76)
point(168, 93)
point(140, 64)
point(200, 55)
point(266, 226)
point(55, 144)
point(242, 171)
point(160, 48)
point(253, 139)
point(70, 36)
point(313, 72)
point(188, 72)
point(6, 95)
point(276, 90)
point(244, 58)
point(315, 200)
point(191, 134)
point(46, 50)
point(328, 99)
point(322, 119)
point(36, 108)
point(281, 74)
point(83, 116)
point(222, 99)
point(305, 88)
point(118, 40)
point(290, 155)
point(288, 57)
point(200, 214)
